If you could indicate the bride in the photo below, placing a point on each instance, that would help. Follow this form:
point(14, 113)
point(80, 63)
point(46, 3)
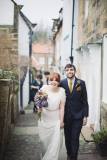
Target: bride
point(51, 122)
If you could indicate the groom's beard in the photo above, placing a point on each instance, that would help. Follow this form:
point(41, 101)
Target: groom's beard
point(71, 76)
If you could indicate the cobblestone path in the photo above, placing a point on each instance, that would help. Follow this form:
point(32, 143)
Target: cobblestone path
point(24, 142)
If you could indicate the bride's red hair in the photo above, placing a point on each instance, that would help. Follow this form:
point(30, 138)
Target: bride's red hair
point(54, 76)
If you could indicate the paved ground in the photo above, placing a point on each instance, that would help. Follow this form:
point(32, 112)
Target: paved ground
point(24, 143)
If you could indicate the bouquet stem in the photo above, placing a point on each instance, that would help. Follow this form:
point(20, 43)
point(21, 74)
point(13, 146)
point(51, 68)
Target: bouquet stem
point(39, 113)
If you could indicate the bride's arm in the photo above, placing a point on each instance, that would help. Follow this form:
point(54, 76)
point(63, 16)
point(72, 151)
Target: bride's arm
point(61, 114)
point(62, 108)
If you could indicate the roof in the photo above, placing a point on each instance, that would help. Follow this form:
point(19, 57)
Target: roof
point(42, 48)
point(27, 21)
point(35, 63)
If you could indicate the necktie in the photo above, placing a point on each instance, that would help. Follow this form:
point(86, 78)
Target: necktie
point(70, 85)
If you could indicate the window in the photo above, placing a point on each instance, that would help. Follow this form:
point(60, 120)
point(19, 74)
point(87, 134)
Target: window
point(49, 60)
point(42, 60)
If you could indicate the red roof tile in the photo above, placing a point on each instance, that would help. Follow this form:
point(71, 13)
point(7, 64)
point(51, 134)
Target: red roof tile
point(42, 48)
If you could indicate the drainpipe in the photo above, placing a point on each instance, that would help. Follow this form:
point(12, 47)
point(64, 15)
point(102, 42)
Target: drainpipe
point(30, 53)
point(72, 33)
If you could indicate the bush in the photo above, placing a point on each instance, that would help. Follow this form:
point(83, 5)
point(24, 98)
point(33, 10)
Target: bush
point(4, 74)
point(100, 137)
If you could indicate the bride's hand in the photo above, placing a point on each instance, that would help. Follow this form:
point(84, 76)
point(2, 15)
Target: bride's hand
point(61, 124)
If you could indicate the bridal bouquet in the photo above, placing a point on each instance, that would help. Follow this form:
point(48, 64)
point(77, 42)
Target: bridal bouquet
point(40, 101)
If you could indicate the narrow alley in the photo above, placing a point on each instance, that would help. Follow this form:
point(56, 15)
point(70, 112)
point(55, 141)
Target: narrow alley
point(24, 142)
point(66, 38)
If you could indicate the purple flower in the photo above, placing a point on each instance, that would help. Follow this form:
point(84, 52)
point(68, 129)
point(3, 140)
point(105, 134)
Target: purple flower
point(40, 99)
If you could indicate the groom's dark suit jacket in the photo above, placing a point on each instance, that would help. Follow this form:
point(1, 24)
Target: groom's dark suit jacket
point(76, 106)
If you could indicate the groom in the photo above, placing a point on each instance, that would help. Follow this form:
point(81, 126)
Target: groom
point(76, 110)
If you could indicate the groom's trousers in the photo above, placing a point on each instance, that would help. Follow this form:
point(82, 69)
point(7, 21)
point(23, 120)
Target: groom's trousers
point(72, 131)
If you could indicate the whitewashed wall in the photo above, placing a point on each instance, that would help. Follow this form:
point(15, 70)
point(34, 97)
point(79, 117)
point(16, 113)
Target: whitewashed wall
point(75, 33)
point(23, 37)
point(26, 91)
point(23, 44)
point(104, 90)
point(6, 12)
point(89, 64)
point(58, 50)
point(67, 31)
point(67, 26)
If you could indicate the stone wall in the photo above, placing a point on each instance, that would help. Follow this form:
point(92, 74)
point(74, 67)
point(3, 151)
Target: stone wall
point(8, 110)
point(104, 115)
point(92, 27)
point(9, 48)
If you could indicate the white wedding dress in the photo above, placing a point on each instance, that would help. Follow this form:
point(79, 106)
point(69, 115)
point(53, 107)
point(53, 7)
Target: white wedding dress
point(49, 126)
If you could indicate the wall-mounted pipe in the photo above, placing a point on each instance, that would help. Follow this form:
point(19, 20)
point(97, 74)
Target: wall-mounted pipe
point(72, 31)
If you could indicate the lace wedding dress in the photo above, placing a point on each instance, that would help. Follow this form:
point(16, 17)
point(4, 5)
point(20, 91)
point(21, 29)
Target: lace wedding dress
point(49, 126)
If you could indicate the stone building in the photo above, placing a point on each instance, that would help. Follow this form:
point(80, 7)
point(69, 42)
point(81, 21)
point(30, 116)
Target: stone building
point(8, 38)
point(15, 51)
point(84, 40)
point(91, 56)
point(43, 54)
point(8, 61)
point(16, 32)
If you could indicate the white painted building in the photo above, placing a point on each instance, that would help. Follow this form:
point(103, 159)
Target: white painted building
point(67, 36)
point(69, 29)
point(104, 66)
point(104, 83)
point(58, 49)
point(23, 47)
point(89, 67)
point(58, 44)
point(7, 7)
point(67, 23)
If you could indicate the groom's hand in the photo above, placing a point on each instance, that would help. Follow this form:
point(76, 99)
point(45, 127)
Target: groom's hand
point(84, 121)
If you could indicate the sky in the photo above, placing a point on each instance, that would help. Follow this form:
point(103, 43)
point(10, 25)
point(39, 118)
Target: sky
point(41, 10)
